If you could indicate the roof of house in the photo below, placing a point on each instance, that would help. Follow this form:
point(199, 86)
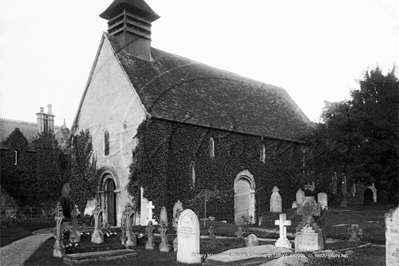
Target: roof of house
point(28, 129)
point(138, 6)
point(175, 88)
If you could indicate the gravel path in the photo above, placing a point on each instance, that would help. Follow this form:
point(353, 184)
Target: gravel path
point(17, 252)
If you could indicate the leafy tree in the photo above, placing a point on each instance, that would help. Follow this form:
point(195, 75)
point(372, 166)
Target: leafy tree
point(359, 137)
point(84, 174)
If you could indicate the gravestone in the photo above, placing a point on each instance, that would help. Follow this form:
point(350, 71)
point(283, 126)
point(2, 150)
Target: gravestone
point(322, 199)
point(374, 190)
point(59, 248)
point(368, 197)
point(164, 246)
point(150, 207)
point(239, 233)
point(211, 234)
point(283, 240)
point(392, 237)
point(74, 236)
point(188, 238)
point(309, 235)
point(382, 197)
point(252, 241)
point(355, 231)
point(260, 220)
point(177, 209)
point(149, 230)
point(163, 216)
point(131, 237)
point(300, 195)
point(275, 201)
point(97, 237)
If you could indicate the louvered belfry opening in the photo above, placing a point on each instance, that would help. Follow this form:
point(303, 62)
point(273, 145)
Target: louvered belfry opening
point(130, 22)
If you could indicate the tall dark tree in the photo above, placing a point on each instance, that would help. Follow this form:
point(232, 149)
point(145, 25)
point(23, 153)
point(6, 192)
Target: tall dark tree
point(84, 174)
point(359, 137)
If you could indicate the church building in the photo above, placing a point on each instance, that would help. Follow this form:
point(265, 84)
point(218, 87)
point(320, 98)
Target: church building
point(184, 127)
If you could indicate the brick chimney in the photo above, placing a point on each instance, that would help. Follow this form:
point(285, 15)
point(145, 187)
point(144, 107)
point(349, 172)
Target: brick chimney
point(40, 120)
point(130, 22)
point(45, 122)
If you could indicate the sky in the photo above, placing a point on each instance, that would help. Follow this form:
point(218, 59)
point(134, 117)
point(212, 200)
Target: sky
point(315, 50)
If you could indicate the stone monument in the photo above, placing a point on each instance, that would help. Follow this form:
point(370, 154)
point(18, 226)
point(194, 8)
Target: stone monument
point(211, 233)
point(150, 207)
point(149, 230)
point(177, 209)
point(275, 201)
point(392, 237)
point(252, 241)
point(131, 237)
point(163, 216)
point(239, 233)
point(309, 235)
point(188, 234)
point(283, 240)
point(59, 248)
point(300, 195)
point(355, 231)
point(97, 237)
point(74, 236)
point(323, 200)
point(164, 246)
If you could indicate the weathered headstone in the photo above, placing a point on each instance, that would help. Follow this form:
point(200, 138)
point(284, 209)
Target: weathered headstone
point(300, 195)
point(275, 201)
point(239, 233)
point(164, 246)
point(211, 234)
point(374, 190)
point(392, 237)
point(382, 197)
point(283, 240)
point(150, 207)
point(252, 241)
point(177, 209)
point(163, 216)
point(74, 236)
point(97, 236)
point(149, 230)
point(322, 199)
point(59, 248)
point(355, 231)
point(188, 238)
point(131, 237)
point(309, 235)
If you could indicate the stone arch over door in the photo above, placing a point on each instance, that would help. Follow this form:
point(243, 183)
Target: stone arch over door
point(109, 189)
point(244, 198)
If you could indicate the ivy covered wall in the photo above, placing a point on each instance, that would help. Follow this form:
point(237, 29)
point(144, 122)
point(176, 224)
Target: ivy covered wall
point(165, 150)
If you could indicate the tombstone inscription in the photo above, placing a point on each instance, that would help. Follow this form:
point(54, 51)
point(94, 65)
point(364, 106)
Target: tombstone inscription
point(188, 238)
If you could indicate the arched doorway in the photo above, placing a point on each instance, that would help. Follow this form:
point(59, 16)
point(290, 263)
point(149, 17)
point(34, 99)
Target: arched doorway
point(110, 200)
point(244, 198)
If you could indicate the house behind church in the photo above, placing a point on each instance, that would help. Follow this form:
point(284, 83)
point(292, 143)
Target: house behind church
point(191, 126)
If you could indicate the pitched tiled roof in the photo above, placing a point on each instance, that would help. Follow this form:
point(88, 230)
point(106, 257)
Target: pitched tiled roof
point(138, 6)
point(179, 89)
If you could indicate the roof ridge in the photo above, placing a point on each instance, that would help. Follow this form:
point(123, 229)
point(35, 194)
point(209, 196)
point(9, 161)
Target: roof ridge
point(17, 121)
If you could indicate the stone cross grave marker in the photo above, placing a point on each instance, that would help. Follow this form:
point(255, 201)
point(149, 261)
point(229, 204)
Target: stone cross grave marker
point(283, 240)
point(97, 236)
point(188, 238)
point(131, 238)
point(164, 246)
point(355, 231)
point(300, 195)
point(150, 207)
point(392, 237)
point(309, 236)
point(59, 248)
point(275, 201)
point(74, 236)
point(323, 200)
point(149, 230)
point(163, 216)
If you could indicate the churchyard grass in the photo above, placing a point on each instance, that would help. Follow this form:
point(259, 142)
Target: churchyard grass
point(369, 218)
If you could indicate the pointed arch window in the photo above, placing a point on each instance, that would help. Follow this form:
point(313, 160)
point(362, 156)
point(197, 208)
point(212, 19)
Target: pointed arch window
point(263, 153)
point(211, 148)
point(192, 173)
point(106, 143)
